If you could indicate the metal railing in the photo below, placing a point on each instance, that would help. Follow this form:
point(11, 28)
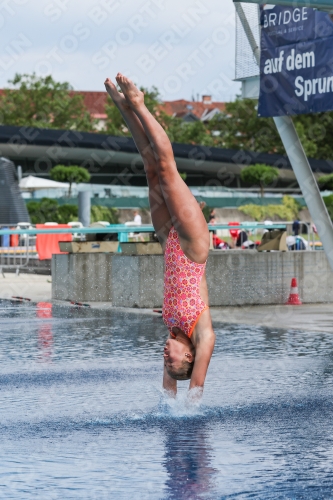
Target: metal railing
point(123, 229)
point(257, 226)
point(309, 232)
point(19, 256)
point(16, 257)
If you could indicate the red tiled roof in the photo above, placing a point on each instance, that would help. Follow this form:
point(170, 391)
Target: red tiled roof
point(181, 107)
point(95, 103)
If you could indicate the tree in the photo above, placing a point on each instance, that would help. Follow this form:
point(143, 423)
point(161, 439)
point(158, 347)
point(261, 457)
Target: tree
point(326, 181)
point(259, 174)
point(318, 129)
point(288, 210)
point(71, 174)
point(42, 211)
point(328, 200)
point(309, 146)
point(102, 213)
point(240, 128)
point(48, 210)
point(186, 133)
point(42, 102)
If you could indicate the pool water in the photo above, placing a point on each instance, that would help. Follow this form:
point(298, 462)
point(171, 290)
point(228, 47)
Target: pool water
point(82, 413)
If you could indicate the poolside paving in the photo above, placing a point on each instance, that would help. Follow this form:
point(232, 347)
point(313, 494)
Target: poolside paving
point(312, 317)
point(36, 287)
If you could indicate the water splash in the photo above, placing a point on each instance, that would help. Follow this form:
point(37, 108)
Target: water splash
point(184, 405)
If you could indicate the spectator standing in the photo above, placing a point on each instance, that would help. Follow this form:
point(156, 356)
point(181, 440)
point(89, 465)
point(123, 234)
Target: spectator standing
point(296, 227)
point(137, 217)
point(137, 221)
point(212, 218)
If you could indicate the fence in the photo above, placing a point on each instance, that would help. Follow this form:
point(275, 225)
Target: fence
point(253, 226)
point(16, 257)
point(18, 245)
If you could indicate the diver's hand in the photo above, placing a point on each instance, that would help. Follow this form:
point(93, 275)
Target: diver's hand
point(193, 397)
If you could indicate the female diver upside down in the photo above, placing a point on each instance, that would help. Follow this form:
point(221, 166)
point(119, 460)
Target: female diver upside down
point(183, 233)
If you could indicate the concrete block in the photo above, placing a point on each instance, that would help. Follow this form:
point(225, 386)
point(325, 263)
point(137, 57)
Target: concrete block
point(82, 277)
point(60, 271)
point(233, 277)
point(125, 279)
point(89, 246)
point(139, 281)
point(151, 280)
point(141, 248)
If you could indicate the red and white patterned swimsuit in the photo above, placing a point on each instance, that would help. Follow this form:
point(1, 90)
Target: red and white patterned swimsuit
point(182, 305)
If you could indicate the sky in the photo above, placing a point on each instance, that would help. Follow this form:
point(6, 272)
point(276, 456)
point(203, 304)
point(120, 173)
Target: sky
point(186, 48)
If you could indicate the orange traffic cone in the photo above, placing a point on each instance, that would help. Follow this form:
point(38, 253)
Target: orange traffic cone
point(293, 299)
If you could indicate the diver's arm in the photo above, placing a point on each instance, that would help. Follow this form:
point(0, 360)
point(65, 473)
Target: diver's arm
point(204, 351)
point(169, 384)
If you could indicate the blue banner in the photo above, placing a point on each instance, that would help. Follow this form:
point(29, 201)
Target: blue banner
point(296, 66)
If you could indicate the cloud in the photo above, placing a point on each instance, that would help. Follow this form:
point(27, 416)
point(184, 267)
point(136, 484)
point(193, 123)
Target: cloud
point(183, 48)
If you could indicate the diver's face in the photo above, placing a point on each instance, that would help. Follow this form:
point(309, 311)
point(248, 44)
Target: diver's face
point(174, 353)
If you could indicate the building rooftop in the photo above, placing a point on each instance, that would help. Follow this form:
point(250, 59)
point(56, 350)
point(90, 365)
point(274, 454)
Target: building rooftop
point(203, 110)
point(200, 109)
point(181, 108)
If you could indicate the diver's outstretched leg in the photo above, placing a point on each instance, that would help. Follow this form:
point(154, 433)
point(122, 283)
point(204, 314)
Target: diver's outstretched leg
point(186, 214)
point(159, 211)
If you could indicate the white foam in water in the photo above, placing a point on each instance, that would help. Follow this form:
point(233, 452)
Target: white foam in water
point(185, 404)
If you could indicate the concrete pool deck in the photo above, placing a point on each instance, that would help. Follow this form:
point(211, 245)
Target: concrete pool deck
point(36, 287)
point(313, 317)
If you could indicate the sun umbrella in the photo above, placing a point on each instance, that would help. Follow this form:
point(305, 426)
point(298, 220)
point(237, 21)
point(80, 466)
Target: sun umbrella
point(32, 183)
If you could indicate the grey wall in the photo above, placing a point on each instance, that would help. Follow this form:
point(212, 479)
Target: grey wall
point(126, 281)
point(234, 278)
point(246, 277)
point(82, 277)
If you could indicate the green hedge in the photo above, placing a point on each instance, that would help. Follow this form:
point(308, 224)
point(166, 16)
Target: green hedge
point(49, 210)
point(288, 210)
point(328, 200)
